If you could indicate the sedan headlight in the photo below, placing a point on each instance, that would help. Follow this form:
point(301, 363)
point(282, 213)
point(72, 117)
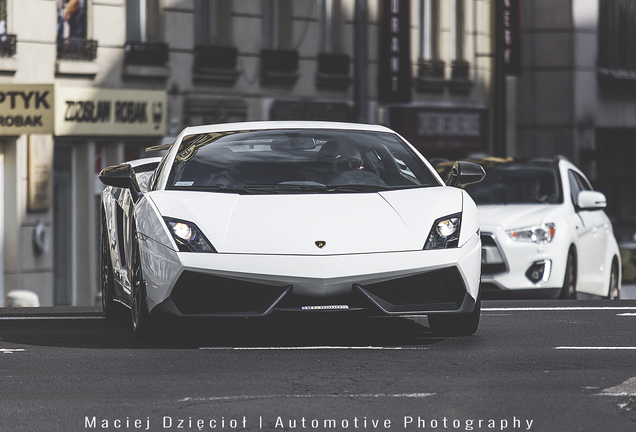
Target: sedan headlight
point(188, 236)
point(445, 233)
point(537, 234)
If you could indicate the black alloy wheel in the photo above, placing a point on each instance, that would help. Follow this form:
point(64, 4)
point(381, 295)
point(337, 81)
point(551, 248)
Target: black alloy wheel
point(464, 324)
point(112, 309)
point(142, 324)
point(568, 291)
point(614, 292)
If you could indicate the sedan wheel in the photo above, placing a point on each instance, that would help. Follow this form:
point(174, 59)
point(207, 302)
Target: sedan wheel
point(569, 282)
point(614, 292)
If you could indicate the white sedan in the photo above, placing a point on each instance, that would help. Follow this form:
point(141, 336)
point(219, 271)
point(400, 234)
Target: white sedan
point(248, 219)
point(544, 231)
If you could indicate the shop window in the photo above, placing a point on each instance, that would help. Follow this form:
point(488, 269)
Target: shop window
point(279, 62)
point(7, 41)
point(215, 58)
point(144, 44)
point(616, 39)
point(72, 41)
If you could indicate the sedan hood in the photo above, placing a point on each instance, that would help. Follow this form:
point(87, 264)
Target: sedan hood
point(514, 216)
point(293, 223)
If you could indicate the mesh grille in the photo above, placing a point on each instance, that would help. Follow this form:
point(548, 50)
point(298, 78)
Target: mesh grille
point(439, 286)
point(196, 293)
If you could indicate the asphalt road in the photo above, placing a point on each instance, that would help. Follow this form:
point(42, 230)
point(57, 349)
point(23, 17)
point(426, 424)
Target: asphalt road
point(533, 365)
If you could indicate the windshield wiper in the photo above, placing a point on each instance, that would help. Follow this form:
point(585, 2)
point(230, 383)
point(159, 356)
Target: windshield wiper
point(216, 188)
point(354, 188)
point(284, 187)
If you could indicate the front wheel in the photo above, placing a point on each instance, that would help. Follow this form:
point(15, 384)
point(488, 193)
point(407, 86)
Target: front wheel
point(142, 323)
point(568, 291)
point(614, 292)
point(464, 324)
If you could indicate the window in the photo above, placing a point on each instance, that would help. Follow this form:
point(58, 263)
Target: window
point(71, 19)
point(142, 21)
point(326, 24)
point(3, 17)
point(617, 29)
point(277, 24)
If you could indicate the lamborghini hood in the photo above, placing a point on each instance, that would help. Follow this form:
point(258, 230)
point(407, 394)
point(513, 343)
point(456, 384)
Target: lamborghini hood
point(298, 224)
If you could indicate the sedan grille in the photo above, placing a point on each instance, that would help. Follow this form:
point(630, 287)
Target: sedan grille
point(202, 294)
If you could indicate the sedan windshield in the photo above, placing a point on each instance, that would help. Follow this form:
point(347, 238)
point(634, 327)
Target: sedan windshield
point(517, 184)
point(297, 161)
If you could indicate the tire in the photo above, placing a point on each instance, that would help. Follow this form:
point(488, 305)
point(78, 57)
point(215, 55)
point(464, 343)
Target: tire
point(464, 324)
point(614, 291)
point(112, 309)
point(568, 291)
point(143, 325)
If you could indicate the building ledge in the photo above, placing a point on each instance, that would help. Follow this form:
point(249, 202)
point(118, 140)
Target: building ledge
point(76, 68)
point(617, 74)
point(146, 71)
point(225, 76)
point(8, 66)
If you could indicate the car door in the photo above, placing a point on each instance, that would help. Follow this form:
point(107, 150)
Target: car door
point(592, 233)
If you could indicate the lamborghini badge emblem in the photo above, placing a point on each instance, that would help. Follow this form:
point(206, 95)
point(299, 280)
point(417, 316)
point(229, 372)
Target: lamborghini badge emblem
point(320, 243)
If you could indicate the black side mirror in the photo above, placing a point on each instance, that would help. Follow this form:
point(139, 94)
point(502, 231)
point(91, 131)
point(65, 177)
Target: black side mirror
point(121, 176)
point(464, 173)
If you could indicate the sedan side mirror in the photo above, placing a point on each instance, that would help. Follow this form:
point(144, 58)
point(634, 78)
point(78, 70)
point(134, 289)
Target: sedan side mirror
point(121, 176)
point(591, 200)
point(464, 173)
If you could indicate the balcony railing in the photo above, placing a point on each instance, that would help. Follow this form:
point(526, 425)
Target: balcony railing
point(279, 66)
point(333, 70)
point(146, 54)
point(7, 45)
point(76, 49)
point(430, 75)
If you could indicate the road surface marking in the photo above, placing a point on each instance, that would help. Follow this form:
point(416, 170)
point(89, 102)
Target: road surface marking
point(10, 350)
point(627, 388)
point(8, 318)
point(559, 308)
point(311, 348)
point(596, 348)
point(627, 314)
point(303, 396)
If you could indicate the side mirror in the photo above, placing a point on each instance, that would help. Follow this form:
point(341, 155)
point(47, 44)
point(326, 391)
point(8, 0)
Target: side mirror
point(591, 200)
point(464, 173)
point(121, 176)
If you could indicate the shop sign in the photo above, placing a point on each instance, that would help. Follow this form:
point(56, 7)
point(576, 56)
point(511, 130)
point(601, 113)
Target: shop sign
point(442, 130)
point(91, 111)
point(512, 37)
point(26, 109)
point(395, 52)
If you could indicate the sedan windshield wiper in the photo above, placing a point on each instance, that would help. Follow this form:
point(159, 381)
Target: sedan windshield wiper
point(217, 188)
point(285, 187)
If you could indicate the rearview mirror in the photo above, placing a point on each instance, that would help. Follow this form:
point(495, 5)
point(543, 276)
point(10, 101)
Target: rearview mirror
point(591, 200)
point(464, 173)
point(121, 176)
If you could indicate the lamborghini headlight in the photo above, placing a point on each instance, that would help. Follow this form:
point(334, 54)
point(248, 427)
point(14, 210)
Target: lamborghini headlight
point(445, 233)
point(538, 234)
point(188, 236)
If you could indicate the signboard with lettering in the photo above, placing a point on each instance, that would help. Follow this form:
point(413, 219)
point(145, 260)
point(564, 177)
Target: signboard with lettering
point(512, 37)
point(444, 132)
point(91, 111)
point(395, 52)
point(26, 109)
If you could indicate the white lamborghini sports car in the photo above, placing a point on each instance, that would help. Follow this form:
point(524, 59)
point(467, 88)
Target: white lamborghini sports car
point(248, 219)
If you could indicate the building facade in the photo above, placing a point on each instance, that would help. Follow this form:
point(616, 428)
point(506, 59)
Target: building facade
point(576, 95)
point(89, 83)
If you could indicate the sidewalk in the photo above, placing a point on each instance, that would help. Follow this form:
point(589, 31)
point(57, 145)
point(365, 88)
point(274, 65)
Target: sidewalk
point(51, 311)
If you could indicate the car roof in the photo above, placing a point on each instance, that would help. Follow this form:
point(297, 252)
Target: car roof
point(264, 125)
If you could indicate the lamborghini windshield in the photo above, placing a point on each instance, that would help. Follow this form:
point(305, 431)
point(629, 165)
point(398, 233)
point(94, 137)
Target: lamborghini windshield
point(297, 161)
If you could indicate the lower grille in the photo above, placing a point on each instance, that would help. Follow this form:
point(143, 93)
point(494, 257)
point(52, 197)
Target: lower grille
point(201, 294)
point(438, 287)
point(492, 258)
